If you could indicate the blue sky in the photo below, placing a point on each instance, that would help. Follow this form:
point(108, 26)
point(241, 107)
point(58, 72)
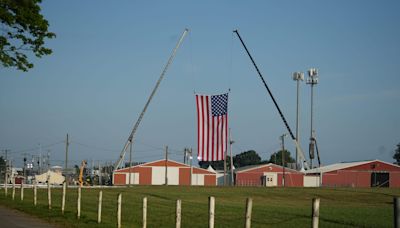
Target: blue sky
point(108, 56)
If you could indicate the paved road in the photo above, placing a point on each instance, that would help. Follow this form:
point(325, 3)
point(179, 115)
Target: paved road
point(11, 218)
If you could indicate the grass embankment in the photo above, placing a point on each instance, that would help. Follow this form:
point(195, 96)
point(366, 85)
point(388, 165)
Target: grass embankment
point(272, 207)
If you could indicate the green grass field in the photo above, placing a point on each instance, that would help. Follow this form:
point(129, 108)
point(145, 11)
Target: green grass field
point(272, 207)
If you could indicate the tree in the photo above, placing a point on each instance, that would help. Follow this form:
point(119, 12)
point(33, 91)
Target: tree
point(243, 159)
point(246, 158)
point(396, 155)
point(2, 167)
point(217, 165)
point(23, 31)
point(276, 158)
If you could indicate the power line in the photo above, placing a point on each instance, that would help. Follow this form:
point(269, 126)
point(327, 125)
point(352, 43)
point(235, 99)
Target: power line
point(36, 148)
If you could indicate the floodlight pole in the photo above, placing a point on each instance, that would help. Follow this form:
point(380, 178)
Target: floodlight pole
point(312, 80)
point(297, 76)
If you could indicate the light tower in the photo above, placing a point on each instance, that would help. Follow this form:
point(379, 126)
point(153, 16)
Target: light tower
point(312, 80)
point(297, 76)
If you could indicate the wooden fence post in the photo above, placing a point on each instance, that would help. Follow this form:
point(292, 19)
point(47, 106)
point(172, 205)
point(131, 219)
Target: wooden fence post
point(178, 213)
point(13, 191)
point(22, 192)
point(99, 207)
point(249, 206)
point(119, 210)
point(63, 197)
point(78, 204)
point(396, 210)
point(211, 211)
point(315, 212)
point(144, 212)
point(49, 194)
point(35, 194)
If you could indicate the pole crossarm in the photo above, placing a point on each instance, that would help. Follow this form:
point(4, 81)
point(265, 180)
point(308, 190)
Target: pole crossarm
point(273, 99)
point(132, 134)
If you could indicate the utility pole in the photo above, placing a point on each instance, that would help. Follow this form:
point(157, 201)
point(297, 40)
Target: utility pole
point(230, 144)
point(191, 167)
point(166, 165)
point(66, 159)
point(6, 170)
point(297, 76)
point(130, 163)
point(40, 158)
point(66, 152)
point(185, 151)
point(25, 166)
point(98, 164)
point(225, 168)
point(48, 159)
point(283, 158)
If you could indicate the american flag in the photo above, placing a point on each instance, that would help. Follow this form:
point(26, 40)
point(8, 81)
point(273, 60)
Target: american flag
point(212, 127)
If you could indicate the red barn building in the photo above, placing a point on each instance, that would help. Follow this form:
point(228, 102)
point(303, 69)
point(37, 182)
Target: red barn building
point(153, 173)
point(268, 175)
point(358, 174)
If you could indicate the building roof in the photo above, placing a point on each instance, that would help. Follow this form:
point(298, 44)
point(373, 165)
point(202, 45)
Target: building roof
point(251, 167)
point(342, 165)
point(171, 163)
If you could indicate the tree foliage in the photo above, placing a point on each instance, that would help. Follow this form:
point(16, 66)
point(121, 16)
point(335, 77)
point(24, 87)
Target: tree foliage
point(276, 157)
point(246, 158)
point(2, 168)
point(243, 159)
point(396, 155)
point(2, 163)
point(23, 31)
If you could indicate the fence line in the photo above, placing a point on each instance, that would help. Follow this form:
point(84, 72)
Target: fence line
point(315, 213)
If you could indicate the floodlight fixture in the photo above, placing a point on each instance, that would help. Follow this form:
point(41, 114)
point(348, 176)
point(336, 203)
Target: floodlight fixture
point(312, 76)
point(298, 76)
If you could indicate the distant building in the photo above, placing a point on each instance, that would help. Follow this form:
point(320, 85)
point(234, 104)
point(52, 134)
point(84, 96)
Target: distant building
point(373, 173)
point(153, 173)
point(269, 175)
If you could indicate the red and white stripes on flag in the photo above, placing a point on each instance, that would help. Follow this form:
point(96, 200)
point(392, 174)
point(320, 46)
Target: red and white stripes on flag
point(212, 127)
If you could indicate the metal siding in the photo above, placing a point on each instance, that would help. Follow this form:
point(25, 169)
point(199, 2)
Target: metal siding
point(173, 176)
point(158, 175)
point(119, 179)
point(347, 179)
point(249, 179)
point(145, 174)
point(209, 180)
point(134, 178)
point(184, 176)
point(198, 179)
point(394, 180)
point(311, 181)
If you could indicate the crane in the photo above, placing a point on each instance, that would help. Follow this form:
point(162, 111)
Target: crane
point(83, 165)
point(301, 154)
point(135, 127)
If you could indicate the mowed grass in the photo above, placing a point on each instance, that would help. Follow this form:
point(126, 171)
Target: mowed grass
point(272, 207)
